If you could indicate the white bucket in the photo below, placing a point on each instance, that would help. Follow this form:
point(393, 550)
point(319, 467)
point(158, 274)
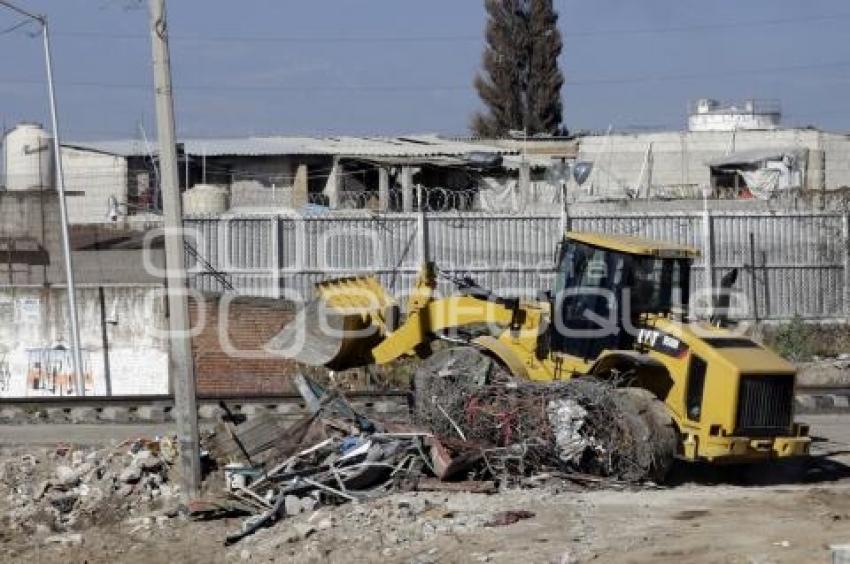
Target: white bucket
point(233, 478)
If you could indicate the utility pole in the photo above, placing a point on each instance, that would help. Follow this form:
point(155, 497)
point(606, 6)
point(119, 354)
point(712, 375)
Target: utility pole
point(63, 207)
point(180, 364)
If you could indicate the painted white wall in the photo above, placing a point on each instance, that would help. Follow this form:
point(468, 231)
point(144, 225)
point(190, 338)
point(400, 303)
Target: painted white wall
point(36, 318)
point(679, 157)
point(265, 182)
point(98, 176)
point(731, 121)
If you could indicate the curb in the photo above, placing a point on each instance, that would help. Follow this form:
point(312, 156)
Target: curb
point(837, 401)
point(825, 402)
point(207, 413)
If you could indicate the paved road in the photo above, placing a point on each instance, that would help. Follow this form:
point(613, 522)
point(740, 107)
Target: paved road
point(831, 433)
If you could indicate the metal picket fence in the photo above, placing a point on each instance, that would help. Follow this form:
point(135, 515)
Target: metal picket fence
point(791, 264)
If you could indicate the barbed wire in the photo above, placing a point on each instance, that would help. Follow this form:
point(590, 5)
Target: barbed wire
point(432, 199)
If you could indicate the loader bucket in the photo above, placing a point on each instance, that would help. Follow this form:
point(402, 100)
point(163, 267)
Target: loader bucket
point(338, 329)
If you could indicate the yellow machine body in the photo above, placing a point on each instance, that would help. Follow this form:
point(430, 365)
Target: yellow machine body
point(742, 411)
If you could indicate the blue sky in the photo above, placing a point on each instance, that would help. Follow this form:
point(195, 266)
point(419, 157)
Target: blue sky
point(400, 66)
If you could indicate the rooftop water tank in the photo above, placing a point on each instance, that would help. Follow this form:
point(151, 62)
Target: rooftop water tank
point(710, 115)
point(705, 105)
point(205, 199)
point(28, 158)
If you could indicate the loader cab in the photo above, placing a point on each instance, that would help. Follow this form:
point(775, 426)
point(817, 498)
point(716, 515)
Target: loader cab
point(606, 284)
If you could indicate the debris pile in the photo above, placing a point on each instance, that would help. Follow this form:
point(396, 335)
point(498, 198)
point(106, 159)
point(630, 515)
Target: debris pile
point(469, 436)
point(521, 428)
point(334, 455)
point(398, 526)
point(65, 488)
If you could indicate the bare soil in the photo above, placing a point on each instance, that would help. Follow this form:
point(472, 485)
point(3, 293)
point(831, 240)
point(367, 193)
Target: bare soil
point(691, 523)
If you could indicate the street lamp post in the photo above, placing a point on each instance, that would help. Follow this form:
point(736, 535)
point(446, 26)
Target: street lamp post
point(63, 207)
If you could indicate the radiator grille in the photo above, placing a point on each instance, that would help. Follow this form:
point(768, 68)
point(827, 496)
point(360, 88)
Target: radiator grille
point(765, 405)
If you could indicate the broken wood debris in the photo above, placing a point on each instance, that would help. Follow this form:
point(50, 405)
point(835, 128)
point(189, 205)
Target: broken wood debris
point(333, 455)
point(336, 455)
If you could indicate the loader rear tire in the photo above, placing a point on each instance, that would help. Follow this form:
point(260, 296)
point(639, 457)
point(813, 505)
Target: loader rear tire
point(651, 422)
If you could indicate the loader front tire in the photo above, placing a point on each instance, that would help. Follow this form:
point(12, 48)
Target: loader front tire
point(650, 421)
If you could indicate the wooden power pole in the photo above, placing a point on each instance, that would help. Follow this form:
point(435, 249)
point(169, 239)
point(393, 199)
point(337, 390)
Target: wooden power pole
point(180, 365)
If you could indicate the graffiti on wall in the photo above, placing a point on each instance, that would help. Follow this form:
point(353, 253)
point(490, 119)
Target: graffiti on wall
point(50, 371)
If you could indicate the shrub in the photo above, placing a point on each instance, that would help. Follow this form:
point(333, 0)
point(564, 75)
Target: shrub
point(794, 340)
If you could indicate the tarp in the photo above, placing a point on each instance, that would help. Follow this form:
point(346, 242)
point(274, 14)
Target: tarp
point(762, 182)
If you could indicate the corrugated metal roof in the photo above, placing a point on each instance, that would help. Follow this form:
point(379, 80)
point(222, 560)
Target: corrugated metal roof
point(407, 146)
point(513, 162)
point(120, 147)
point(754, 156)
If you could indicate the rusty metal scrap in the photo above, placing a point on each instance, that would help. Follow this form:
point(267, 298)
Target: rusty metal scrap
point(522, 428)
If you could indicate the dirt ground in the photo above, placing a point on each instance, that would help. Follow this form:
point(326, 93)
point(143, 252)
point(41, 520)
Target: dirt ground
point(790, 513)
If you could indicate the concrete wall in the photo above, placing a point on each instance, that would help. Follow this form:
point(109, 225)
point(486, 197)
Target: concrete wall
point(33, 323)
point(262, 181)
point(98, 176)
point(679, 158)
point(836, 149)
point(227, 344)
point(246, 194)
point(29, 217)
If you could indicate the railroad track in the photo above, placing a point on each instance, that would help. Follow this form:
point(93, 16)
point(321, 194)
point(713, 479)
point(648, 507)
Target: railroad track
point(158, 408)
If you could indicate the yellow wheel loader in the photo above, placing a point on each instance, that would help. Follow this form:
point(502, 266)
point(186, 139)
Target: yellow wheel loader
point(618, 310)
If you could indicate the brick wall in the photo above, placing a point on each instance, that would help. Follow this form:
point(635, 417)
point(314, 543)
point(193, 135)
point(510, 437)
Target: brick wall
point(251, 322)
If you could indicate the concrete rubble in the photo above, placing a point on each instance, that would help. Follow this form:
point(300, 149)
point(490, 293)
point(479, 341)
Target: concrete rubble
point(334, 477)
point(274, 476)
point(335, 486)
point(63, 489)
point(397, 524)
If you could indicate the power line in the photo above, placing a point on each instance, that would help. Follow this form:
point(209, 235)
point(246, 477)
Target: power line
point(23, 12)
point(709, 27)
point(437, 88)
point(450, 38)
point(240, 88)
point(18, 25)
point(276, 39)
point(696, 76)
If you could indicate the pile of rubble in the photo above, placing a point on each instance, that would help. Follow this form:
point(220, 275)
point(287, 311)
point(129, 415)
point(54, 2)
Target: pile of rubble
point(64, 489)
point(519, 428)
point(334, 455)
point(521, 437)
point(397, 526)
point(468, 436)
